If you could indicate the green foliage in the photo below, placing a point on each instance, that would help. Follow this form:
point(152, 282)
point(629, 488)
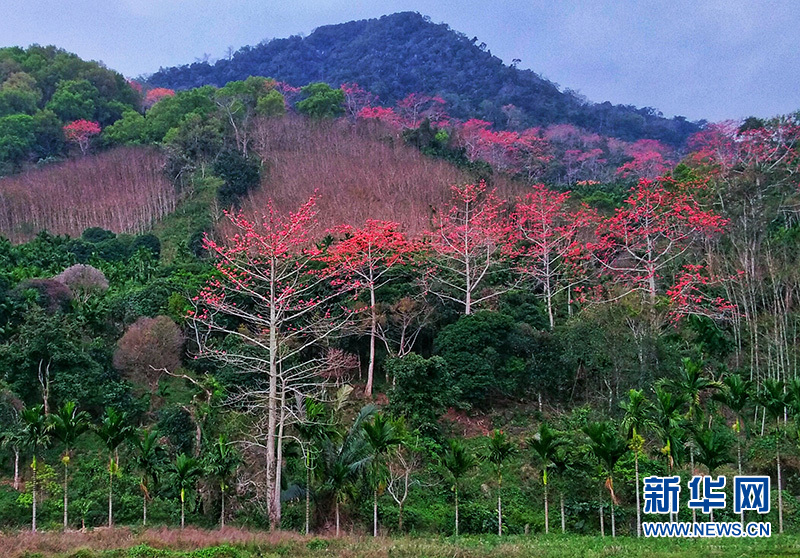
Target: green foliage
point(321, 101)
point(435, 60)
point(17, 139)
point(423, 389)
point(240, 174)
point(271, 105)
point(486, 356)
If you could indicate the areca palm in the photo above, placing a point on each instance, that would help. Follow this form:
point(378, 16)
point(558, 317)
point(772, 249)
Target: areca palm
point(499, 450)
point(637, 419)
point(713, 451)
point(68, 425)
point(775, 399)
point(221, 464)
point(692, 384)
point(561, 465)
point(381, 435)
point(669, 425)
point(186, 470)
point(113, 430)
point(736, 396)
point(312, 430)
point(458, 461)
point(608, 447)
point(343, 463)
point(148, 460)
point(36, 433)
point(544, 444)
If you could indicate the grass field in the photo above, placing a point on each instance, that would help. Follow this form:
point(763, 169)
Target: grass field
point(235, 543)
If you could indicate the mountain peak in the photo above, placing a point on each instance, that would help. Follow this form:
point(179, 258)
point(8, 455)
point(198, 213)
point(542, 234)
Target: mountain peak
point(406, 52)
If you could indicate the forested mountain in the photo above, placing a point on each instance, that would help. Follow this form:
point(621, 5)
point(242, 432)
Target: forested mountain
point(405, 52)
point(48, 97)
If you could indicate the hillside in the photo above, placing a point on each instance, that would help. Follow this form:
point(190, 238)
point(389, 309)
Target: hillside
point(356, 172)
point(123, 190)
point(405, 52)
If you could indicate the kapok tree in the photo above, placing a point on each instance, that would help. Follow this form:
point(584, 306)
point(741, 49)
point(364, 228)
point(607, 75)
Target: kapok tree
point(470, 243)
point(416, 107)
point(362, 260)
point(81, 132)
point(265, 313)
point(656, 226)
point(649, 159)
point(548, 247)
point(155, 95)
point(356, 98)
point(692, 294)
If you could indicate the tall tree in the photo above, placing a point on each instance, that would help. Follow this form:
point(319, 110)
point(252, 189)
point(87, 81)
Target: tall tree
point(547, 231)
point(186, 470)
point(458, 461)
point(263, 313)
point(634, 423)
point(68, 425)
point(607, 447)
point(365, 257)
point(148, 461)
point(775, 399)
point(37, 429)
point(499, 451)
point(382, 434)
point(469, 242)
point(114, 429)
point(544, 444)
point(221, 463)
point(658, 224)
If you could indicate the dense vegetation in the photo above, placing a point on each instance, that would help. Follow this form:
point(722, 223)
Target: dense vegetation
point(405, 53)
point(358, 348)
point(45, 89)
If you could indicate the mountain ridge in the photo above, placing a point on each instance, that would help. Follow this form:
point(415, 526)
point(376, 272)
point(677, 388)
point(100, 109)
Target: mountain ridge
point(405, 52)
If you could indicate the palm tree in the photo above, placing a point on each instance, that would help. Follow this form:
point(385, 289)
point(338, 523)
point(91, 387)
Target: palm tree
point(313, 430)
point(691, 384)
point(342, 464)
point(222, 461)
point(113, 430)
point(499, 450)
point(68, 425)
point(636, 420)
point(186, 470)
point(36, 435)
point(381, 434)
point(608, 447)
point(775, 399)
point(736, 396)
point(458, 461)
point(544, 444)
point(713, 450)
point(668, 425)
point(561, 464)
point(148, 460)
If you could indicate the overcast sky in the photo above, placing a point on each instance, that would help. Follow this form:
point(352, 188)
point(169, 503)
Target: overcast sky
point(712, 59)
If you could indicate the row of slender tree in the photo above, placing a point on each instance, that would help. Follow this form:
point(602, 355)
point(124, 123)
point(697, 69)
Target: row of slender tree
point(381, 450)
point(37, 431)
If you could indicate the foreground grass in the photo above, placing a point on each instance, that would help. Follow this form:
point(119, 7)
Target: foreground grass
point(237, 543)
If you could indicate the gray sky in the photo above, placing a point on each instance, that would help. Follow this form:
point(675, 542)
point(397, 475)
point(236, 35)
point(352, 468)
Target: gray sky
point(713, 59)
